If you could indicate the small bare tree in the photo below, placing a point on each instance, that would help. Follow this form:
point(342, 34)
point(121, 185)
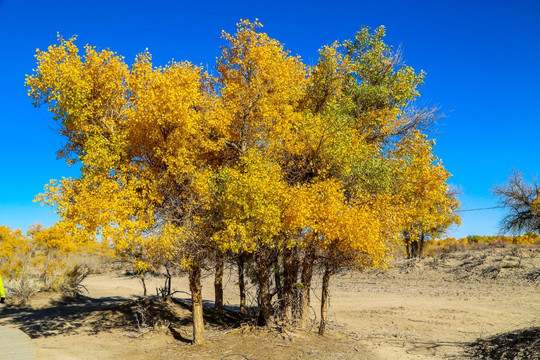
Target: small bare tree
point(523, 200)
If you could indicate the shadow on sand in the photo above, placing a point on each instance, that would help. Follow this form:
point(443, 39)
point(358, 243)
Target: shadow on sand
point(68, 316)
point(518, 344)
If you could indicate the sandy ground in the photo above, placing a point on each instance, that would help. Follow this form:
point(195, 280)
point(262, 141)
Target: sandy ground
point(435, 308)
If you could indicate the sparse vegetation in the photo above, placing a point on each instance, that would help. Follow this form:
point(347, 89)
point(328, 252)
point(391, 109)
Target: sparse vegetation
point(477, 242)
point(46, 259)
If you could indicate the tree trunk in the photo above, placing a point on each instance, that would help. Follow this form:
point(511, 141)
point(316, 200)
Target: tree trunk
point(421, 240)
point(197, 302)
point(218, 285)
point(407, 238)
point(324, 300)
point(289, 274)
point(168, 282)
point(143, 285)
point(307, 274)
point(263, 275)
point(241, 284)
point(279, 282)
point(296, 290)
point(414, 249)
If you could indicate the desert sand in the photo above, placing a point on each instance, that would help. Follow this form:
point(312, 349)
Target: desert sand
point(459, 305)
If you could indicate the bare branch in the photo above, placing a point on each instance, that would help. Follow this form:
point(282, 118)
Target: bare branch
point(520, 197)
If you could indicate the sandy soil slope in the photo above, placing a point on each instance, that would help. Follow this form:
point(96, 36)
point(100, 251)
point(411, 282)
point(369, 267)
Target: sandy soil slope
point(472, 304)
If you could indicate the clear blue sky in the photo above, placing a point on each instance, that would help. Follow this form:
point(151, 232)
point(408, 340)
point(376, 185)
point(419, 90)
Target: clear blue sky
point(482, 60)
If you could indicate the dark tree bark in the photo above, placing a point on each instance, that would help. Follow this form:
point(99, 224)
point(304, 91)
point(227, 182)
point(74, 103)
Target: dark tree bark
point(289, 274)
point(324, 299)
point(421, 240)
point(168, 282)
point(279, 282)
point(416, 246)
point(407, 238)
point(307, 274)
point(414, 249)
point(218, 285)
point(263, 274)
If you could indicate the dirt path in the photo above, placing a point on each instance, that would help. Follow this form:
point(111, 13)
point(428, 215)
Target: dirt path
point(430, 319)
point(431, 309)
point(434, 308)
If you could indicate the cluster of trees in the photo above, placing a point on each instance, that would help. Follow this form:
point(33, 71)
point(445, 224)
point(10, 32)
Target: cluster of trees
point(473, 242)
point(525, 239)
point(268, 164)
point(39, 260)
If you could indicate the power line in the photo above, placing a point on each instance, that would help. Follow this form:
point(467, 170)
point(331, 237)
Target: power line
point(479, 209)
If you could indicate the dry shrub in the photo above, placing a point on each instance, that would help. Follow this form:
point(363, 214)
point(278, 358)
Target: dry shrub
point(23, 287)
point(96, 262)
point(72, 279)
point(153, 315)
point(47, 259)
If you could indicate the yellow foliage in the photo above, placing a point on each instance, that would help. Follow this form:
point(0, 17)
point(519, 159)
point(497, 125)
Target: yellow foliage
point(39, 260)
point(143, 135)
point(425, 199)
point(250, 199)
point(177, 164)
point(12, 242)
point(262, 86)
